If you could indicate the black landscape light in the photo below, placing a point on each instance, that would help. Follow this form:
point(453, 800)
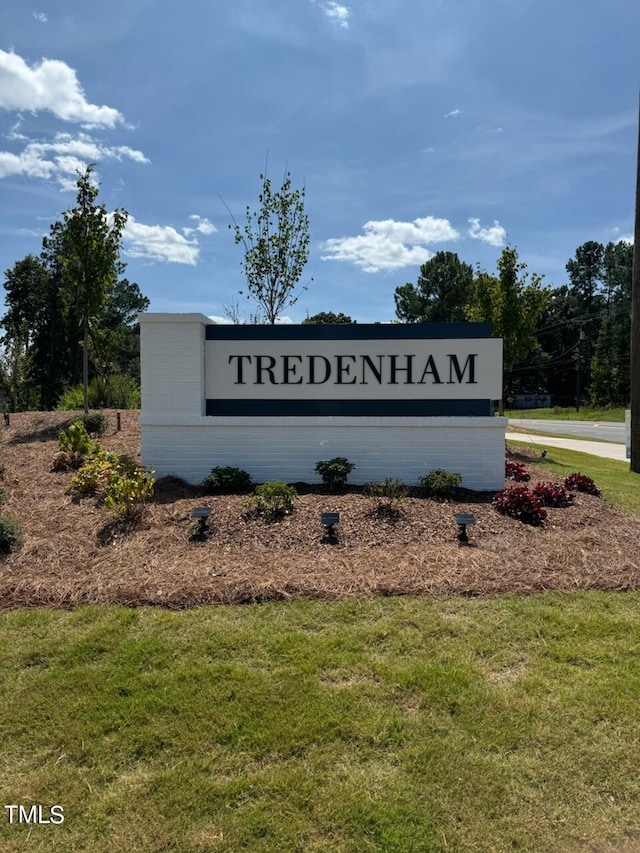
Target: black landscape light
point(462, 519)
point(202, 513)
point(328, 520)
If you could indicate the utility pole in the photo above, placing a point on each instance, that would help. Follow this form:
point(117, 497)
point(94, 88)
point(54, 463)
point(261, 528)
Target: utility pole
point(581, 337)
point(635, 325)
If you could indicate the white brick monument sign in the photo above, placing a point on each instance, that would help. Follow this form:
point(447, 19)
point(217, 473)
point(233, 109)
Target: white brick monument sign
point(396, 400)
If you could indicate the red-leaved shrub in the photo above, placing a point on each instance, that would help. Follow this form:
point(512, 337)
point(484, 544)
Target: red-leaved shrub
point(581, 483)
point(552, 494)
point(515, 471)
point(521, 503)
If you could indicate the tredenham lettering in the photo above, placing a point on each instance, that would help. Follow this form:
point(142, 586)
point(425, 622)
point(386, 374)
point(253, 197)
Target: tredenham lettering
point(353, 370)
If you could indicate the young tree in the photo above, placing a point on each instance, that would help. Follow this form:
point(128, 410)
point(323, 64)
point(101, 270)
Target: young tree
point(276, 246)
point(512, 305)
point(91, 242)
point(443, 289)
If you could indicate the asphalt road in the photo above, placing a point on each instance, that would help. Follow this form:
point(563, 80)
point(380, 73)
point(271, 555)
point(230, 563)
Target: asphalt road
point(611, 432)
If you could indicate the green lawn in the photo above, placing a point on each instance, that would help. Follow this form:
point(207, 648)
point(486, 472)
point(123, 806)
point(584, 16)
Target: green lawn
point(398, 724)
point(557, 413)
point(619, 485)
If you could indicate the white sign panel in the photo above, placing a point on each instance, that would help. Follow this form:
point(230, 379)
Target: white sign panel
point(400, 369)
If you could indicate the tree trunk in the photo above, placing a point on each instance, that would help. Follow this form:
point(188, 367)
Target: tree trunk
point(85, 366)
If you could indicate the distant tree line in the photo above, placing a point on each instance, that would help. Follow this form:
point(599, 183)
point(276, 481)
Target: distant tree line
point(70, 334)
point(71, 307)
point(571, 341)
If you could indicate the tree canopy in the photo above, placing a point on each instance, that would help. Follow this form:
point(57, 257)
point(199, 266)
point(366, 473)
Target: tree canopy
point(276, 247)
point(69, 303)
point(443, 289)
point(326, 317)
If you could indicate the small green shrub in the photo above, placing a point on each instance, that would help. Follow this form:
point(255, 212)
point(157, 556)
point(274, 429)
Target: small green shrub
point(10, 534)
point(93, 476)
point(274, 500)
point(227, 479)
point(96, 423)
point(334, 472)
point(128, 493)
point(73, 399)
point(390, 493)
point(124, 393)
point(77, 440)
point(73, 445)
point(440, 483)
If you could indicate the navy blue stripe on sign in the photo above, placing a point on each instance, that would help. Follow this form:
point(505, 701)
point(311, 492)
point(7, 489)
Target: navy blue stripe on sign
point(350, 408)
point(348, 332)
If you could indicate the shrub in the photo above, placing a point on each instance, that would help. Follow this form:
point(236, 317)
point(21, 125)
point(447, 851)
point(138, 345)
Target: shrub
point(390, 493)
point(10, 534)
point(515, 471)
point(334, 472)
point(227, 479)
point(581, 483)
point(73, 398)
point(73, 447)
point(77, 440)
point(521, 503)
point(128, 493)
point(124, 393)
point(274, 500)
point(440, 483)
point(93, 476)
point(552, 494)
point(96, 423)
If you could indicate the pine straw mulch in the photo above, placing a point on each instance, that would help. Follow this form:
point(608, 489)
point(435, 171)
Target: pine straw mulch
point(75, 554)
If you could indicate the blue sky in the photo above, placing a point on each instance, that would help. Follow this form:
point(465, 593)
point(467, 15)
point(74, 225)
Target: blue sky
point(416, 126)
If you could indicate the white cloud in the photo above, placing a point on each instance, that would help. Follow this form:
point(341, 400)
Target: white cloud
point(50, 85)
point(390, 245)
point(335, 12)
point(494, 236)
point(158, 243)
point(494, 130)
point(453, 114)
point(60, 159)
point(14, 134)
point(40, 16)
point(203, 226)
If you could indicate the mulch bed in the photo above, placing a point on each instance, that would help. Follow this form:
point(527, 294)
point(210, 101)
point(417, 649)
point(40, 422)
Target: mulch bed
point(79, 553)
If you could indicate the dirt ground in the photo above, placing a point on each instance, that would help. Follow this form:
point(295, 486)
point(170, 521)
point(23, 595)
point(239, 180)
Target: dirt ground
point(74, 553)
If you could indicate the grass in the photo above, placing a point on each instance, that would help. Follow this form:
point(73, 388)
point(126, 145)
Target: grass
point(404, 724)
point(619, 485)
point(557, 413)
